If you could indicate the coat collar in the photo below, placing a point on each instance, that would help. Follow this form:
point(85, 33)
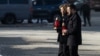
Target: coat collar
point(72, 16)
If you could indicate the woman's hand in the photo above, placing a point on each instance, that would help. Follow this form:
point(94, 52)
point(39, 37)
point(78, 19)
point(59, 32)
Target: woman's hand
point(64, 32)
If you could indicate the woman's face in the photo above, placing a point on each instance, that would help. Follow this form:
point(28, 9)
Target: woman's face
point(62, 10)
point(68, 11)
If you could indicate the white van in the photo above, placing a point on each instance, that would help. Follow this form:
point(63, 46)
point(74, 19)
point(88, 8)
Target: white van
point(12, 11)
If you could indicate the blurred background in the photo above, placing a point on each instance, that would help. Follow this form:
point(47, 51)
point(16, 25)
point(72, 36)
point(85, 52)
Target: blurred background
point(26, 27)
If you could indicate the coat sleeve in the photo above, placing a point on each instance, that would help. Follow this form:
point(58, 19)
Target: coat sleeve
point(73, 29)
point(59, 28)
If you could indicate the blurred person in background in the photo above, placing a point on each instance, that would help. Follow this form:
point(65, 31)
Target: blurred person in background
point(39, 20)
point(86, 11)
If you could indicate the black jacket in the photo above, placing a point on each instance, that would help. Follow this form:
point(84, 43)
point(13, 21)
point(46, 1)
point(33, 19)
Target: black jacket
point(74, 30)
point(62, 39)
point(73, 24)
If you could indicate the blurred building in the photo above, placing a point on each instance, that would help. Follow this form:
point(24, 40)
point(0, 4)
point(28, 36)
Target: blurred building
point(95, 4)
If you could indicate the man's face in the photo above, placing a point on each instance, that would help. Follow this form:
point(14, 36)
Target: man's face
point(68, 11)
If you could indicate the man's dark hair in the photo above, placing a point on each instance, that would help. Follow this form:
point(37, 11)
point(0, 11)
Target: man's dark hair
point(72, 6)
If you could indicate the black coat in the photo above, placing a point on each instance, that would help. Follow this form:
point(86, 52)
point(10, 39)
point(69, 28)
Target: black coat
point(62, 39)
point(74, 30)
point(73, 37)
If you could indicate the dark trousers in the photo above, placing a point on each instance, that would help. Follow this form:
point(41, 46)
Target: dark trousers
point(41, 19)
point(87, 18)
point(65, 50)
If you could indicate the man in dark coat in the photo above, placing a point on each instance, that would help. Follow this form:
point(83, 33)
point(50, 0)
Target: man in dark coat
point(74, 31)
point(68, 44)
point(86, 11)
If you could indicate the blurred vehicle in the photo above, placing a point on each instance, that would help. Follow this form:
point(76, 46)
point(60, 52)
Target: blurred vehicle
point(48, 9)
point(14, 11)
point(95, 4)
point(71, 1)
point(78, 4)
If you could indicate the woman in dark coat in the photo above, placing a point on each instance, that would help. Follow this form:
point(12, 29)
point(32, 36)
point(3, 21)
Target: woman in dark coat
point(63, 49)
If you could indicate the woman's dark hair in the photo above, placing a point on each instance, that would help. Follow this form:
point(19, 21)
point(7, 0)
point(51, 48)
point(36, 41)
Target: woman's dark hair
point(64, 6)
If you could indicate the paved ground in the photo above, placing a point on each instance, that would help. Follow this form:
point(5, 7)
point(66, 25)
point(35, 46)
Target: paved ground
point(40, 39)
